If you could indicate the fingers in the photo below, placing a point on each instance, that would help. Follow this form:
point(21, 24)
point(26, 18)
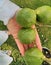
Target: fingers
point(37, 40)
point(31, 45)
point(20, 46)
point(25, 46)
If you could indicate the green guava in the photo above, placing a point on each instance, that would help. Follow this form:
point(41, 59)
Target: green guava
point(44, 14)
point(26, 17)
point(34, 56)
point(26, 36)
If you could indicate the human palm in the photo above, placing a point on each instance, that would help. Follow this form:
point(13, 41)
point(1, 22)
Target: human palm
point(13, 28)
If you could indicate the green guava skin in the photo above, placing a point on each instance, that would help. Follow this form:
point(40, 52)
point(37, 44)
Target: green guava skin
point(26, 17)
point(26, 36)
point(44, 14)
point(33, 56)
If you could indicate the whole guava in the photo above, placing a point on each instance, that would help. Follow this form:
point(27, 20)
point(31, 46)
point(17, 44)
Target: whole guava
point(44, 14)
point(26, 36)
point(34, 56)
point(26, 17)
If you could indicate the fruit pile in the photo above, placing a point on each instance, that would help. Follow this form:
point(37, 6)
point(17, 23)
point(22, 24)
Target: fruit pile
point(27, 35)
point(44, 31)
point(26, 18)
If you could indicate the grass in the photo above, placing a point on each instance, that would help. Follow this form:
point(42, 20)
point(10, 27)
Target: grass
point(45, 36)
point(32, 3)
point(2, 26)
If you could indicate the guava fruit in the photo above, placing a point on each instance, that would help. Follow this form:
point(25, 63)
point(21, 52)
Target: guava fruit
point(34, 56)
point(26, 17)
point(44, 14)
point(26, 36)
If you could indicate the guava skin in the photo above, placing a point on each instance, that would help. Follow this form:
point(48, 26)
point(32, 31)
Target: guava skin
point(26, 36)
point(26, 17)
point(44, 14)
point(34, 56)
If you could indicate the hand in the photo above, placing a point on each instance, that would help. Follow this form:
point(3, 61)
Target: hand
point(13, 28)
